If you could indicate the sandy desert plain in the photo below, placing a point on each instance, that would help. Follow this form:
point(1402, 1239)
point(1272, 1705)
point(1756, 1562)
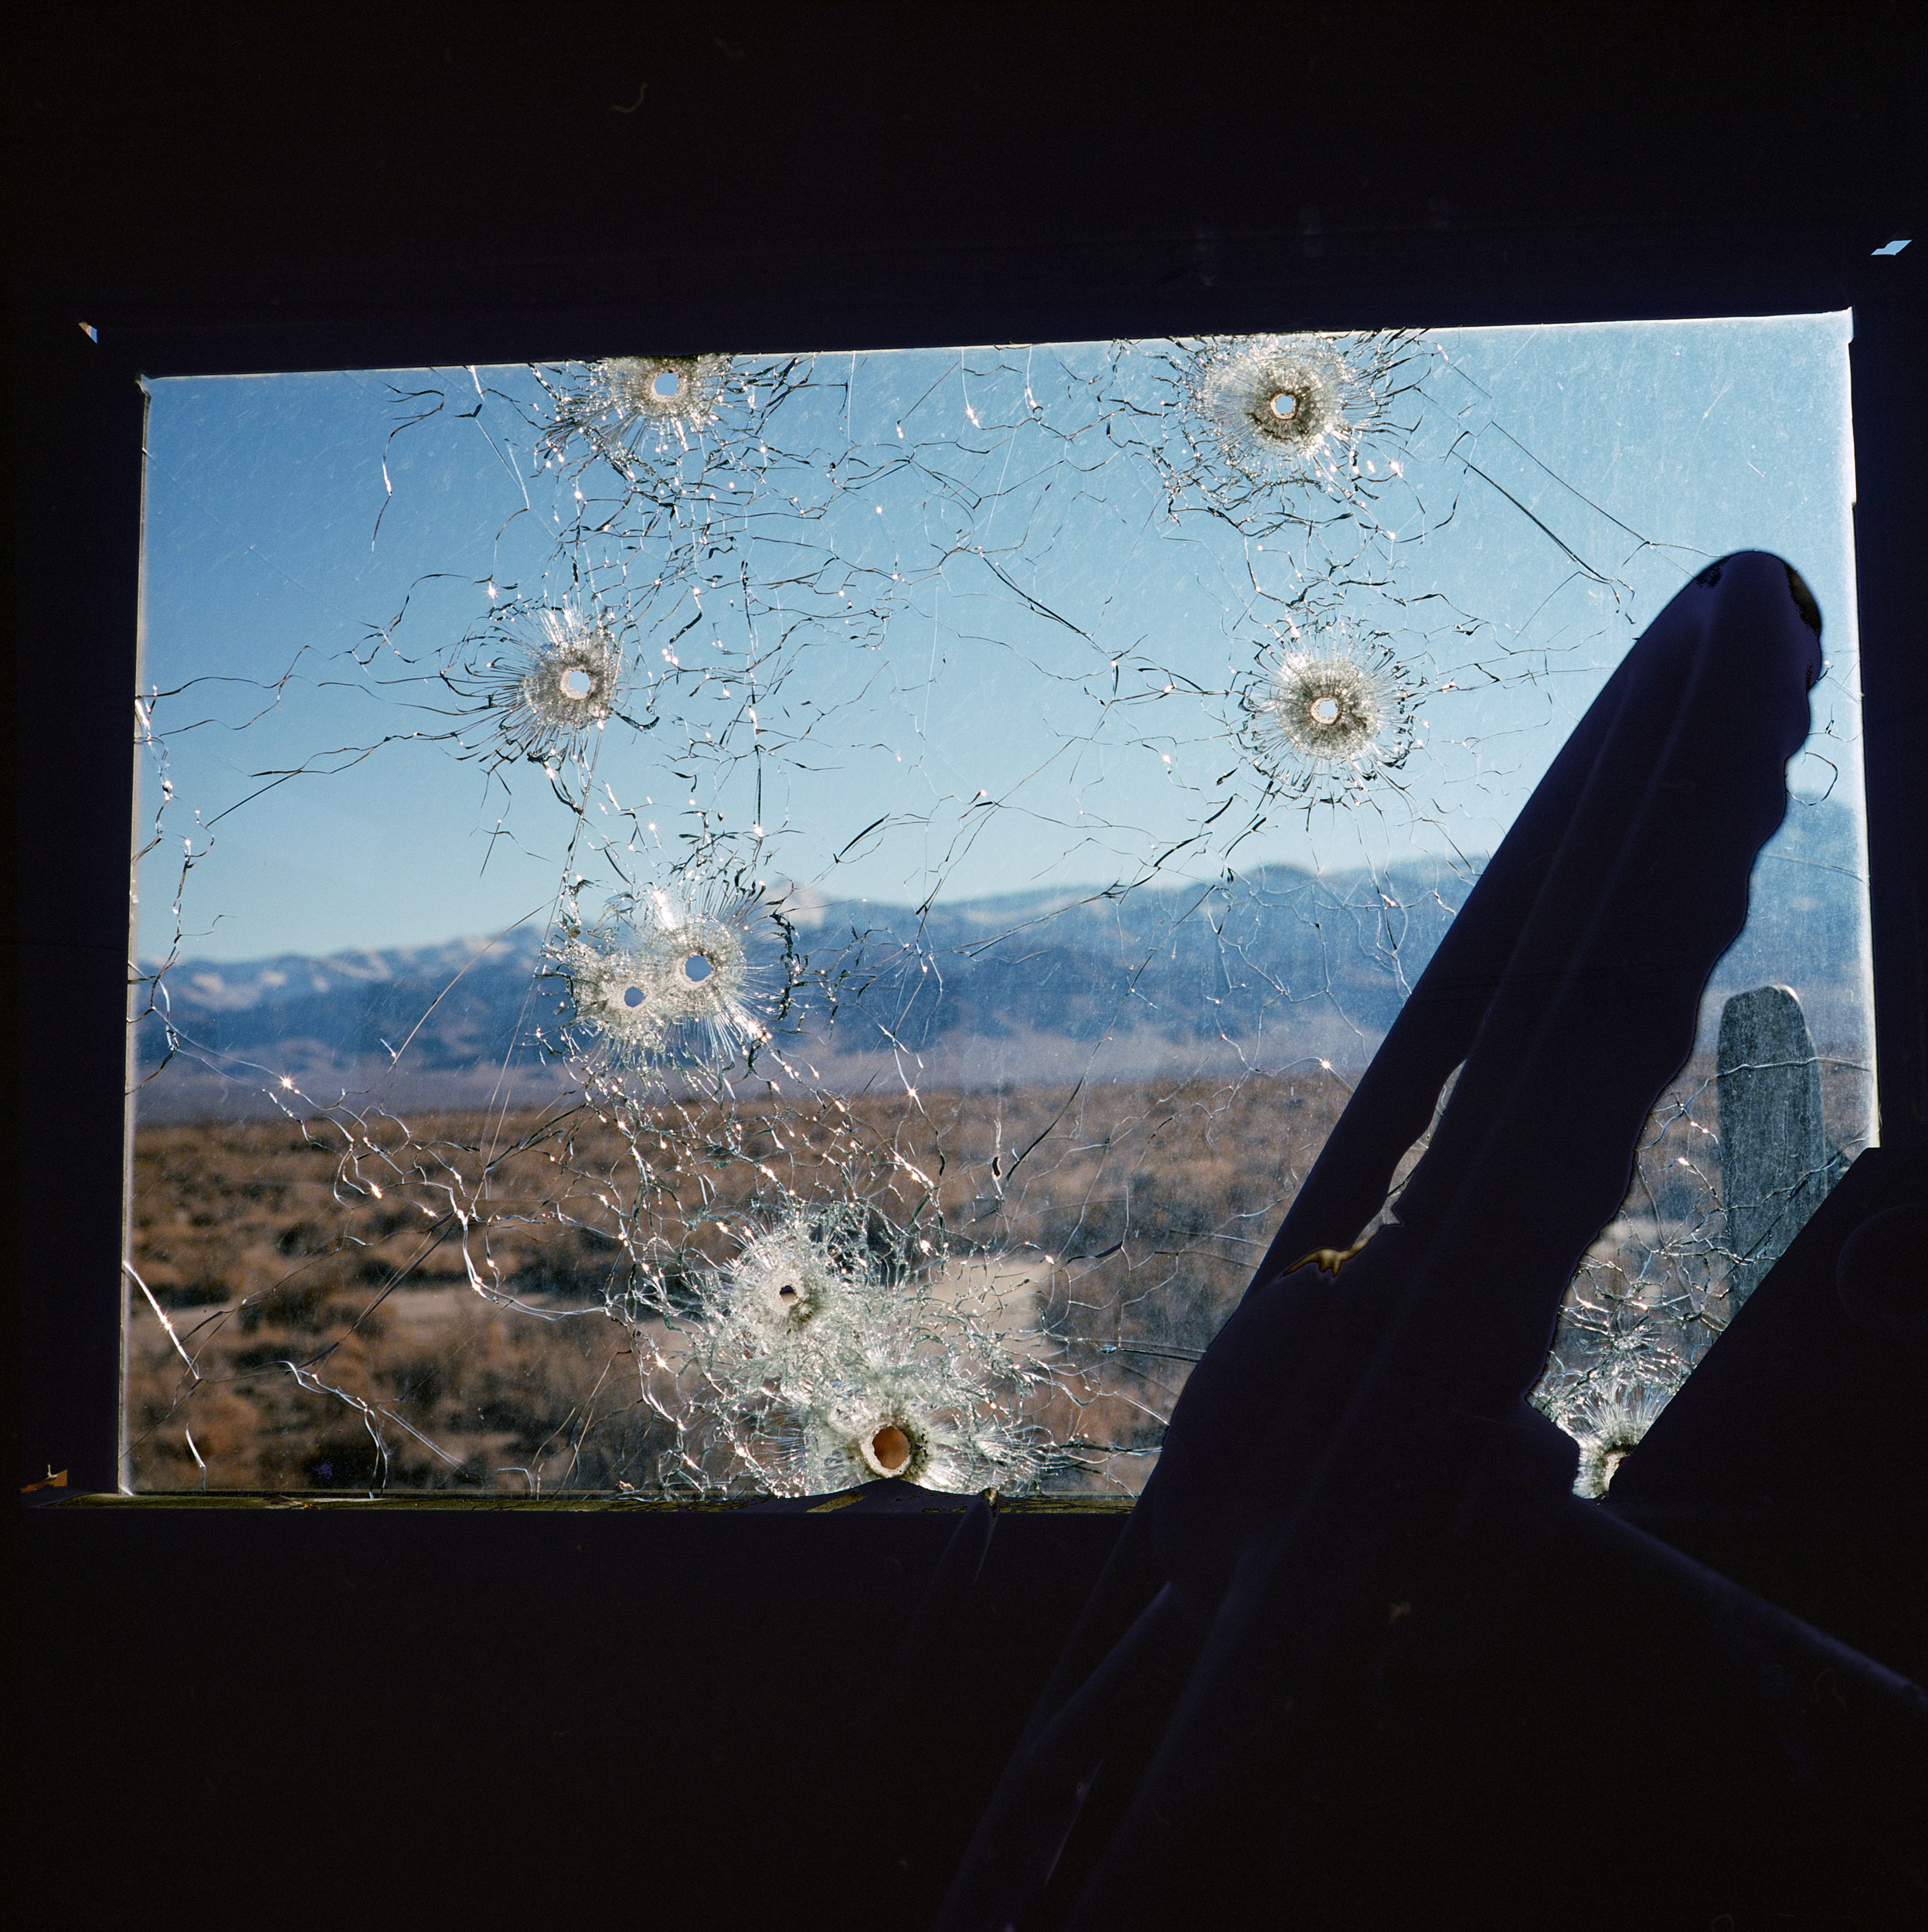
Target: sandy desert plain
point(447, 1301)
point(465, 1304)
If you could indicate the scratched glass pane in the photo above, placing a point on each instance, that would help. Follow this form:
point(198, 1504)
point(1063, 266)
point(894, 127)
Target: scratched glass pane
point(728, 925)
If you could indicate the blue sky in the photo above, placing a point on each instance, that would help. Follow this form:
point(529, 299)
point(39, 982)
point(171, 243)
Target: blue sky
point(1064, 717)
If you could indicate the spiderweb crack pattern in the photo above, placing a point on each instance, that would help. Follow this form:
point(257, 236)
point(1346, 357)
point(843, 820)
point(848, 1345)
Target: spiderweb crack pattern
point(945, 829)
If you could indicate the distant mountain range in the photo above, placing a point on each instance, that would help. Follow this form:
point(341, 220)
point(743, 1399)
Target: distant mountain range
point(1270, 966)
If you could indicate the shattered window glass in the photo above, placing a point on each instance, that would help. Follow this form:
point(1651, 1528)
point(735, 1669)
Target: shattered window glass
point(719, 925)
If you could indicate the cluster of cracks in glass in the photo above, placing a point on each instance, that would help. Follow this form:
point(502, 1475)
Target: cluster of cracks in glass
point(713, 1227)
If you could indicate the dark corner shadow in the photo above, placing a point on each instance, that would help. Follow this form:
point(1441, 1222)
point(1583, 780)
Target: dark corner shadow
point(1360, 1657)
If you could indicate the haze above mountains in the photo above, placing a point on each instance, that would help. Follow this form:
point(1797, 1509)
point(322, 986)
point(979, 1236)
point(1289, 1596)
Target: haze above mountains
point(1265, 969)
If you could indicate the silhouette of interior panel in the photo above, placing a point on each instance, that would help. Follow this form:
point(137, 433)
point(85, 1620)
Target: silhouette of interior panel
point(1254, 1605)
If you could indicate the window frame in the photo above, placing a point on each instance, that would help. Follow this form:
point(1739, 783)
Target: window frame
point(79, 482)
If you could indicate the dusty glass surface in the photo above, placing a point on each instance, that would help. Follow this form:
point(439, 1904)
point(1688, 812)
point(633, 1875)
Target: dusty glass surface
point(721, 924)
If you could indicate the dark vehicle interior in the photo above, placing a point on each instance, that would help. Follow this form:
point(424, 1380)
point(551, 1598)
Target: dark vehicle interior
point(1696, 1706)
